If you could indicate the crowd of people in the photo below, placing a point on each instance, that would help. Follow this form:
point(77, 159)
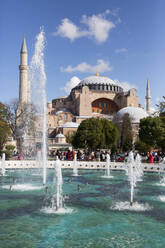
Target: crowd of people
point(98, 155)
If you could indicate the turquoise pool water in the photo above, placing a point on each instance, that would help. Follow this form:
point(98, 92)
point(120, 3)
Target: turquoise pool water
point(100, 214)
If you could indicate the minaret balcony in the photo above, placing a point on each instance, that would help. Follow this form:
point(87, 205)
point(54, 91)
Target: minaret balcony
point(23, 67)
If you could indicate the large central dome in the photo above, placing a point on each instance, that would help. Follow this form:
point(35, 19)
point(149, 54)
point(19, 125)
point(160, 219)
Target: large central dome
point(97, 80)
point(99, 83)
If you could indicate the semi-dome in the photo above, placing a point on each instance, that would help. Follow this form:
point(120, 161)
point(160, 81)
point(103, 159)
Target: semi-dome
point(99, 83)
point(60, 135)
point(70, 125)
point(135, 113)
point(62, 111)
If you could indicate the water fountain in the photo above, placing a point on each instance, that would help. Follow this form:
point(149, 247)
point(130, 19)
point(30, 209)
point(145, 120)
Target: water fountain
point(107, 172)
point(132, 176)
point(123, 226)
point(56, 205)
point(38, 81)
point(3, 170)
point(139, 167)
point(75, 166)
point(133, 171)
point(57, 200)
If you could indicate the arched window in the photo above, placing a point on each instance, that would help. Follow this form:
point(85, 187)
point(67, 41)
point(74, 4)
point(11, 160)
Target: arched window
point(104, 106)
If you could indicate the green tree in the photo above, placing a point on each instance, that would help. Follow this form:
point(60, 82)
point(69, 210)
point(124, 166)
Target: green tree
point(142, 147)
point(161, 107)
point(4, 125)
point(126, 133)
point(152, 131)
point(70, 137)
point(110, 133)
point(95, 133)
point(22, 119)
point(161, 137)
point(8, 151)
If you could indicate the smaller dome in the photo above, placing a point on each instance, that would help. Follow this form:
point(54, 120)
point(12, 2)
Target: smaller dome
point(60, 135)
point(135, 113)
point(62, 111)
point(70, 124)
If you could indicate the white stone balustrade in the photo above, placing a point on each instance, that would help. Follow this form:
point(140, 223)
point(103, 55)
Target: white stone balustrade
point(28, 164)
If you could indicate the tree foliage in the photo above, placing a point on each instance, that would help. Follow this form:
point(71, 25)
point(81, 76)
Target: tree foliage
point(8, 151)
point(126, 133)
point(70, 137)
point(161, 107)
point(95, 133)
point(21, 118)
point(142, 147)
point(152, 131)
point(4, 125)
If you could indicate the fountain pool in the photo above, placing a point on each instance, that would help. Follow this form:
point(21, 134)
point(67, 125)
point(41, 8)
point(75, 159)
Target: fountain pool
point(98, 219)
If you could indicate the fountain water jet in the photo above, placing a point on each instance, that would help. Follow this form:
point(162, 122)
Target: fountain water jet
point(3, 170)
point(107, 170)
point(133, 171)
point(108, 165)
point(55, 201)
point(38, 78)
point(75, 165)
point(132, 176)
point(139, 167)
point(58, 183)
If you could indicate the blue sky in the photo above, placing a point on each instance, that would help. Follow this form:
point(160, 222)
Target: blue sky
point(124, 40)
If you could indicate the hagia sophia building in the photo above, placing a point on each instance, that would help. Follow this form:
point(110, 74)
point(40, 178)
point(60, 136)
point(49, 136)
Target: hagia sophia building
point(95, 96)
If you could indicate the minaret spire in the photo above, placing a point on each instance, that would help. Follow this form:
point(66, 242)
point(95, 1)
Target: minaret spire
point(24, 84)
point(24, 48)
point(148, 97)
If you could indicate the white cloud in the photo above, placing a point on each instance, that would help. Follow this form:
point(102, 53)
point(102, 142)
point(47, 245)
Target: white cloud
point(101, 66)
point(96, 26)
point(71, 84)
point(121, 50)
point(69, 30)
point(125, 85)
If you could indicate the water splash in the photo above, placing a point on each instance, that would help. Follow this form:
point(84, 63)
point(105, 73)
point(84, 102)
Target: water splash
point(57, 202)
point(38, 81)
point(162, 198)
point(139, 167)
point(75, 166)
point(21, 187)
point(3, 163)
point(121, 206)
point(134, 171)
point(54, 203)
point(107, 172)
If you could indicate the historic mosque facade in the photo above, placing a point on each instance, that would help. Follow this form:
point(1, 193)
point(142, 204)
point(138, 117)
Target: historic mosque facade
point(95, 96)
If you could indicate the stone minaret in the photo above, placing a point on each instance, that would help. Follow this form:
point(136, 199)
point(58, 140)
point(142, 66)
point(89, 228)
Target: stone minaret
point(148, 97)
point(24, 84)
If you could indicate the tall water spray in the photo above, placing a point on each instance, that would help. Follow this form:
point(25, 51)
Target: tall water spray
point(108, 165)
point(3, 164)
point(132, 176)
point(38, 82)
point(57, 200)
point(139, 167)
point(75, 165)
